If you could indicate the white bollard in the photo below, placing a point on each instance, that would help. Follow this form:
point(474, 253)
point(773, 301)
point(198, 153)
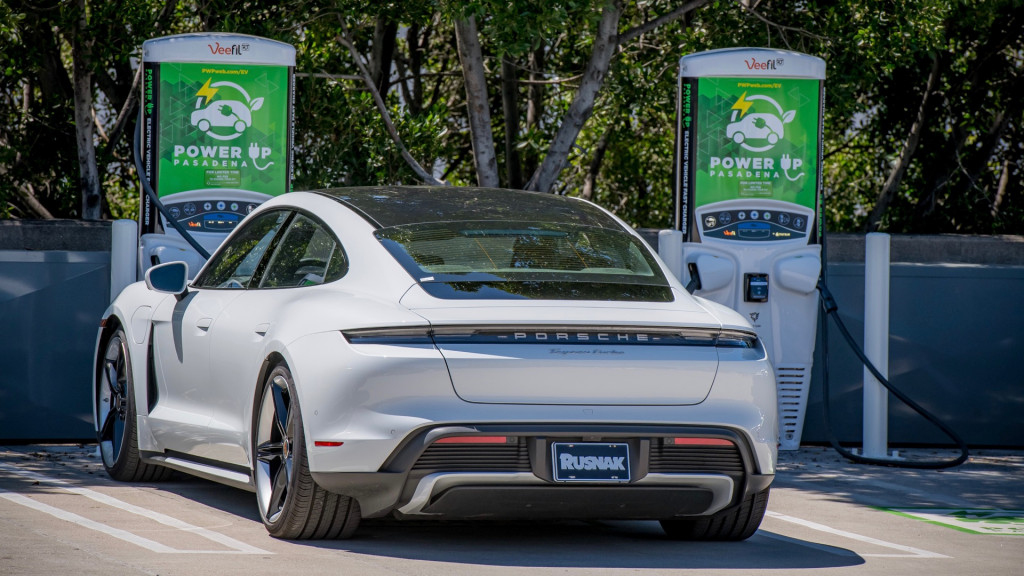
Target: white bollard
point(670, 249)
point(876, 344)
point(124, 241)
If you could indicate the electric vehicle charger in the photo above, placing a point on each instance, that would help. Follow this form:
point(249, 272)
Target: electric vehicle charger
point(748, 213)
point(214, 139)
point(831, 309)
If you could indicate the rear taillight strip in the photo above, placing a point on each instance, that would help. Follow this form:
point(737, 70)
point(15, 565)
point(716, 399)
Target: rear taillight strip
point(553, 335)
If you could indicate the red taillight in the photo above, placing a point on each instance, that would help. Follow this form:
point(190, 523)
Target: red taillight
point(698, 442)
point(473, 440)
point(327, 444)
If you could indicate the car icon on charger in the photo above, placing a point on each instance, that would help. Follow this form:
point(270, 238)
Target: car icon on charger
point(757, 126)
point(222, 114)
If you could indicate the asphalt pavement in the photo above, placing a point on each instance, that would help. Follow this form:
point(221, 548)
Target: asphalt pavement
point(61, 514)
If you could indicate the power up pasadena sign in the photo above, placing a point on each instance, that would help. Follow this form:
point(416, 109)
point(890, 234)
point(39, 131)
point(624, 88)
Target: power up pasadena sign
point(750, 127)
point(217, 113)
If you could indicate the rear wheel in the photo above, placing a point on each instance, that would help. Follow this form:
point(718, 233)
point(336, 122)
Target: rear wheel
point(116, 424)
point(735, 524)
point(291, 504)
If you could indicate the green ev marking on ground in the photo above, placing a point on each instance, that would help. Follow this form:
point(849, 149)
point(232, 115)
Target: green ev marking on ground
point(973, 521)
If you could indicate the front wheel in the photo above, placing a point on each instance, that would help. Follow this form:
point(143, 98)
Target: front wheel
point(291, 504)
point(116, 425)
point(738, 523)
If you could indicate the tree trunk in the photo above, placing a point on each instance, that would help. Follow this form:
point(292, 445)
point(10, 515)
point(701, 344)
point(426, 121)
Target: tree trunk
point(997, 201)
point(582, 105)
point(595, 166)
point(892, 183)
point(534, 104)
point(383, 51)
point(510, 107)
point(82, 80)
point(471, 56)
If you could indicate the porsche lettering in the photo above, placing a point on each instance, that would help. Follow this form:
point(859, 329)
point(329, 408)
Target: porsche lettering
point(580, 337)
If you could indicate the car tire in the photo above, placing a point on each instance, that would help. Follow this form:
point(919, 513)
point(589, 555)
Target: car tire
point(204, 125)
point(291, 504)
point(116, 423)
point(737, 523)
point(239, 126)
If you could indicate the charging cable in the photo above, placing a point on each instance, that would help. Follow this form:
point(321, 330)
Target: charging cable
point(144, 180)
point(829, 306)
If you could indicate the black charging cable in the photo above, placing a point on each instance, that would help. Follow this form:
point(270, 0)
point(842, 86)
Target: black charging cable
point(144, 180)
point(831, 309)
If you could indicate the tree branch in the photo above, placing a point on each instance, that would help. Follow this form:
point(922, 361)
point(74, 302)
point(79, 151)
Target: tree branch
point(423, 175)
point(779, 26)
point(595, 166)
point(28, 194)
point(553, 80)
point(328, 76)
point(605, 43)
point(892, 183)
point(1004, 179)
point(646, 27)
point(124, 115)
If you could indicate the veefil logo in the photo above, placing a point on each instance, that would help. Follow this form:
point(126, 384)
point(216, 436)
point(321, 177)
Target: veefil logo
point(232, 50)
point(225, 118)
point(757, 131)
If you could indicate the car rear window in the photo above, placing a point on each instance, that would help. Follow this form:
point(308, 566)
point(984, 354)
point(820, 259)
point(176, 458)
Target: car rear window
point(486, 259)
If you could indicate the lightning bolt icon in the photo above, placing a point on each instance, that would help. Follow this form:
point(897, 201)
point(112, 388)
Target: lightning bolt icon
point(209, 92)
point(742, 105)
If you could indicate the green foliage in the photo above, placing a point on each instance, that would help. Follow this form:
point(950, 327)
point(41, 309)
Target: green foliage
point(964, 175)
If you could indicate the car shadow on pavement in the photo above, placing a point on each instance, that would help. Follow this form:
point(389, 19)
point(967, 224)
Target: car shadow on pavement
point(618, 544)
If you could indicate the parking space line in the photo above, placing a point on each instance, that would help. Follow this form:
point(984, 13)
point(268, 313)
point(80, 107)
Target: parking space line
point(911, 552)
point(237, 547)
point(814, 545)
point(87, 523)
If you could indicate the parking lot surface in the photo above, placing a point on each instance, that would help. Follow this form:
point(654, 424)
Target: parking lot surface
point(61, 514)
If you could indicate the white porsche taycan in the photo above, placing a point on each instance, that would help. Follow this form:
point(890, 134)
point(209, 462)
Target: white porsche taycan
point(440, 353)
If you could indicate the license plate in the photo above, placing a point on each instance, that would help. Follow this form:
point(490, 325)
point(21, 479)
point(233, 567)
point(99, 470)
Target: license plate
point(590, 462)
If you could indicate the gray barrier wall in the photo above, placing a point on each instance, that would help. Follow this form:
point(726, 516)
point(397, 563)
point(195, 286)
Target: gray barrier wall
point(54, 286)
point(955, 345)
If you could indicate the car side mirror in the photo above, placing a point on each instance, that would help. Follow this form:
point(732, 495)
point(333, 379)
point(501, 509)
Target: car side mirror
point(169, 278)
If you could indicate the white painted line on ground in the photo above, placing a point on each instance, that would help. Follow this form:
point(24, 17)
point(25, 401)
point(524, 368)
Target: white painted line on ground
point(820, 547)
point(911, 552)
point(87, 523)
point(237, 547)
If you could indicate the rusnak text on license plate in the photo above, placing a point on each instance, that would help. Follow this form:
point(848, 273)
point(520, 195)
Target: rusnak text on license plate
point(590, 462)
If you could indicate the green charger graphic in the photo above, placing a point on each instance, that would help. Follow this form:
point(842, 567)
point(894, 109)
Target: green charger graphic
point(758, 139)
point(224, 126)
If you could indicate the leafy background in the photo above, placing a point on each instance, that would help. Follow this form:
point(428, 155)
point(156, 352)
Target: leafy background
point(923, 128)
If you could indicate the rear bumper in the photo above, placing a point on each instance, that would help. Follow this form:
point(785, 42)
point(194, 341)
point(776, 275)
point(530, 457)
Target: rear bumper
point(517, 482)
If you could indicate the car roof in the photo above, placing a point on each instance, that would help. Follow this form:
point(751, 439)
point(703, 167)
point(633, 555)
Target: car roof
point(386, 206)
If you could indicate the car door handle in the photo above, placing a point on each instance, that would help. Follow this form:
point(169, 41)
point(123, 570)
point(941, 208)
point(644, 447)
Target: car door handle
point(262, 329)
point(204, 323)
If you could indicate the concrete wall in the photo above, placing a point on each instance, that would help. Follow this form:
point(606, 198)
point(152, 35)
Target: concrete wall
point(54, 286)
point(956, 309)
point(955, 347)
